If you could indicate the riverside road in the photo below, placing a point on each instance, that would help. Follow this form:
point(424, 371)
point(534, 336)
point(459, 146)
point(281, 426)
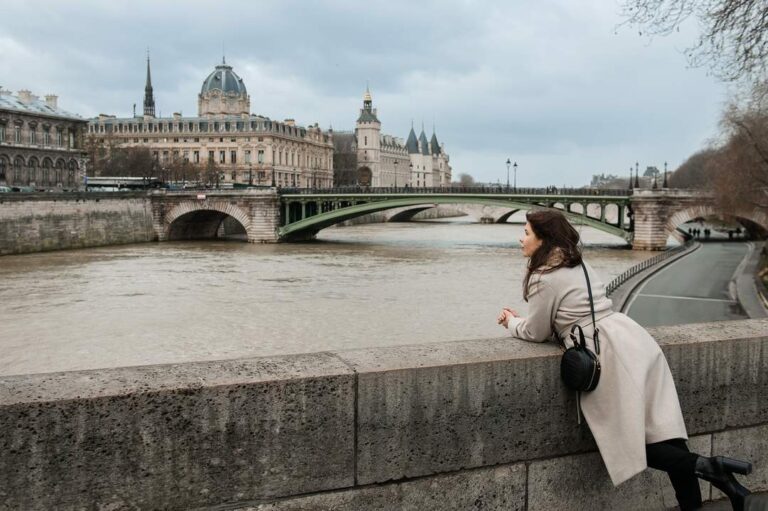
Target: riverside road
point(695, 289)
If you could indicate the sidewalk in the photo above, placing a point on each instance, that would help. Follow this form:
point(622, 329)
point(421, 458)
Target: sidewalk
point(759, 503)
point(744, 282)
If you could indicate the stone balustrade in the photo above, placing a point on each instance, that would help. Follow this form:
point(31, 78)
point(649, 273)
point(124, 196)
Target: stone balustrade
point(482, 424)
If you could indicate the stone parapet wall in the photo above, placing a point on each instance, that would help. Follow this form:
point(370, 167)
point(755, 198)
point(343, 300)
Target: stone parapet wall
point(482, 424)
point(56, 221)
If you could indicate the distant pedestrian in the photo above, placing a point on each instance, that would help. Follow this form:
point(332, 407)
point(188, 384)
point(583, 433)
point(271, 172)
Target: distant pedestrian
point(738, 232)
point(730, 234)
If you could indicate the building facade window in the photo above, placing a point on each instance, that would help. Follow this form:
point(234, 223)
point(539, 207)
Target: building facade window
point(17, 165)
point(196, 157)
point(210, 156)
point(2, 133)
point(222, 156)
point(17, 134)
point(71, 174)
point(59, 138)
point(261, 156)
point(233, 157)
point(32, 172)
point(247, 156)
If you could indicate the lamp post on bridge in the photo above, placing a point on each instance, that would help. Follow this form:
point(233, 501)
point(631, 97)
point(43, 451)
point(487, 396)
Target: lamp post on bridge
point(410, 171)
point(508, 164)
point(514, 166)
point(637, 175)
point(665, 185)
point(395, 173)
point(630, 177)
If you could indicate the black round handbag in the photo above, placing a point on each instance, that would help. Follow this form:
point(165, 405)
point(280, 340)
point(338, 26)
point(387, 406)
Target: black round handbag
point(579, 366)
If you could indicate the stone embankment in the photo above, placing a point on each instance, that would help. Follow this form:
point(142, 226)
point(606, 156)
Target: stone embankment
point(59, 221)
point(483, 424)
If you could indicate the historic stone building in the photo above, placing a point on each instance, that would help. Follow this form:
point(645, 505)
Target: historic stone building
point(247, 148)
point(41, 145)
point(368, 157)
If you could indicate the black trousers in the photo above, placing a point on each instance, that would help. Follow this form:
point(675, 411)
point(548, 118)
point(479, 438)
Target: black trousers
point(674, 458)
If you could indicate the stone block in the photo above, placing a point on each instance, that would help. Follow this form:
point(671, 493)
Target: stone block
point(750, 444)
point(581, 482)
point(176, 436)
point(720, 371)
point(490, 489)
point(444, 407)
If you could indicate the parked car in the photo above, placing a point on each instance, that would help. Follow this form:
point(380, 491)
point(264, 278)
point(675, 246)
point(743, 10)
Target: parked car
point(5, 189)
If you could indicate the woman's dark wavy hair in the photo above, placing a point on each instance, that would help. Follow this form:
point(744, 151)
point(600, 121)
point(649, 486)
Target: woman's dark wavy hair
point(556, 235)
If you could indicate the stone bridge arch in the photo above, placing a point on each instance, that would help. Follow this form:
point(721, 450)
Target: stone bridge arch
point(704, 210)
point(204, 220)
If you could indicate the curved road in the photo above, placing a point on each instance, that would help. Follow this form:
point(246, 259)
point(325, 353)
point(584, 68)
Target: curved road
point(694, 289)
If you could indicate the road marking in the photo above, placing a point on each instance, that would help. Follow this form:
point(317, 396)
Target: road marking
point(687, 298)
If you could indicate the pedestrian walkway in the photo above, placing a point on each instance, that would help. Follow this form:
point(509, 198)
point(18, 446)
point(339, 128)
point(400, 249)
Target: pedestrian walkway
point(694, 289)
point(759, 502)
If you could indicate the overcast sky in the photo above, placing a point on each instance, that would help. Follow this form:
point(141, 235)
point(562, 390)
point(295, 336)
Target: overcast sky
point(556, 85)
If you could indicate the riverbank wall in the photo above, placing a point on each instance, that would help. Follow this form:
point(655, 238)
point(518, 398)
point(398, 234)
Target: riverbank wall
point(482, 424)
point(59, 221)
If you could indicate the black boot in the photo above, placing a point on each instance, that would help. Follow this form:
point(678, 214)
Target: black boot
point(719, 471)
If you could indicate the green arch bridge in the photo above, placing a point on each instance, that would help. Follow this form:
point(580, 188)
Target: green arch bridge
point(304, 212)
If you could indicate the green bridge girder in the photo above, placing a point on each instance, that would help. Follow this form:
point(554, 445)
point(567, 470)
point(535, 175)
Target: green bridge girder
point(316, 211)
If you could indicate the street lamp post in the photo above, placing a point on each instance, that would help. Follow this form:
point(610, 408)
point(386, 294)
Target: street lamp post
point(665, 176)
point(395, 174)
point(508, 165)
point(410, 170)
point(514, 166)
point(630, 177)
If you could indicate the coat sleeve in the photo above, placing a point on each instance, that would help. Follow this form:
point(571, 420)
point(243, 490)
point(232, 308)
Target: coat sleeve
point(537, 327)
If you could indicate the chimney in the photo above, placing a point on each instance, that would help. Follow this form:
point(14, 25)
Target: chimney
point(290, 122)
point(51, 100)
point(24, 96)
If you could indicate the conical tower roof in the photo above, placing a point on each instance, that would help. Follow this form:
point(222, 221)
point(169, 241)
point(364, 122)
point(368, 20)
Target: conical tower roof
point(423, 142)
point(412, 144)
point(435, 146)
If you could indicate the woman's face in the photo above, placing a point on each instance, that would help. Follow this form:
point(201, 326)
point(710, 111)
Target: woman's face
point(530, 241)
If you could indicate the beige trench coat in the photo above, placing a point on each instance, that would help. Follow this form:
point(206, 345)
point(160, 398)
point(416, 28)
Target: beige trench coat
point(635, 402)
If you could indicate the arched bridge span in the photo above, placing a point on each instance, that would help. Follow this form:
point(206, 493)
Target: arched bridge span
point(304, 213)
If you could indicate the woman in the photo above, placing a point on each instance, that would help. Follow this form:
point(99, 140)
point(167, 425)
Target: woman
point(634, 413)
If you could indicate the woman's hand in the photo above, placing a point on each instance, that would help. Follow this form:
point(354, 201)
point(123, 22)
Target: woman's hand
point(506, 313)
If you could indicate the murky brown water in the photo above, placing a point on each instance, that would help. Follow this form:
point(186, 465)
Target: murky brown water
point(368, 285)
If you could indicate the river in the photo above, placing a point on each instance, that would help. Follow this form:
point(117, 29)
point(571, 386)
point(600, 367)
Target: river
point(360, 286)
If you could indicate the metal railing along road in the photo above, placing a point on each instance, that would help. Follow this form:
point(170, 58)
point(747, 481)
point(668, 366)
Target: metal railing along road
point(631, 272)
point(550, 190)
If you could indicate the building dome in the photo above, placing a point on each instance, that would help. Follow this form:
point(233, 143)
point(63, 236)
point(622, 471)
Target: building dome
point(225, 80)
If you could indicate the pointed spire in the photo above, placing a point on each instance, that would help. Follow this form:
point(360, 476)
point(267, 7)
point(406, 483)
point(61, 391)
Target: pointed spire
point(149, 99)
point(423, 141)
point(412, 144)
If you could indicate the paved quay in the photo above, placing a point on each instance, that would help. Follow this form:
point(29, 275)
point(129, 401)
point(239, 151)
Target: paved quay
point(697, 288)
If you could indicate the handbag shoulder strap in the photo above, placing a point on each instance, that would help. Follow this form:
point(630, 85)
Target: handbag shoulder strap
point(591, 309)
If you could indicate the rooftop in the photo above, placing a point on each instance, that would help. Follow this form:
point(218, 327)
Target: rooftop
point(27, 102)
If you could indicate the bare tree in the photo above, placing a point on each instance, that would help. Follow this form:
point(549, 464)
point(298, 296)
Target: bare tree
point(466, 180)
point(131, 161)
point(696, 171)
point(734, 37)
point(741, 173)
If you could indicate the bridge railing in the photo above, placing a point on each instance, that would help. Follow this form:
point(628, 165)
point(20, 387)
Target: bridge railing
point(495, 190)
point(631, 272)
